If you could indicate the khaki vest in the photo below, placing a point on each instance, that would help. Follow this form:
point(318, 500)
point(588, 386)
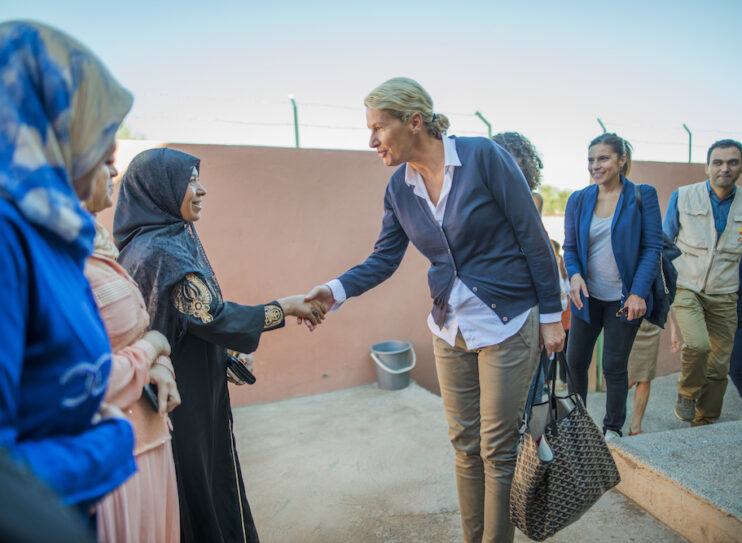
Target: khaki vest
point(706, 265)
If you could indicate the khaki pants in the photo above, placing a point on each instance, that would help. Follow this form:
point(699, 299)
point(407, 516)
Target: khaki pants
point(644, 352)
point(708, 323)
point(484, 393)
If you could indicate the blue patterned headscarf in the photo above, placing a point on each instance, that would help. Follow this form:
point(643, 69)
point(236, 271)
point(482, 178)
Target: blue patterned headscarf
point(59, 112)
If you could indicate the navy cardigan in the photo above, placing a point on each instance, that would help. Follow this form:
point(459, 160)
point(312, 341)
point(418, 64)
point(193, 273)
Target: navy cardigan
point(492, 237)
point(636, 237)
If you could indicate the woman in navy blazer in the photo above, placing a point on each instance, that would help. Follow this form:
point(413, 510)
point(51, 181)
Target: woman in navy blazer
point(611, 249)
point(463, 202)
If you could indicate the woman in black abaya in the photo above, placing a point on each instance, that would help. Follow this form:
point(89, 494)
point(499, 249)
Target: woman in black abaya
point(160, 199)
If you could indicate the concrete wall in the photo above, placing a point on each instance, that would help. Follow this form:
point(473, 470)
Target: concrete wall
point(279, 221)
point(666, 177)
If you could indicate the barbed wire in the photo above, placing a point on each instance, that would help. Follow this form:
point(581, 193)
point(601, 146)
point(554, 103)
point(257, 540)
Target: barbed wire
point(467, 128)
point(253, 123)
point(678, 127)
point(304, 125)
point(357, 108)
point(330, 106)
point(710, 131)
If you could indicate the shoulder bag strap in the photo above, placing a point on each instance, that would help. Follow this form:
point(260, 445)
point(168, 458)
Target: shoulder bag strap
point(638, 197)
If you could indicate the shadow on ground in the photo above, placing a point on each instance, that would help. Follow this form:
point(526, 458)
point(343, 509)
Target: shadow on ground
point(367, 465)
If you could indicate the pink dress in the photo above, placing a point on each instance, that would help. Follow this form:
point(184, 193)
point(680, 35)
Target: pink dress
point(145, 508)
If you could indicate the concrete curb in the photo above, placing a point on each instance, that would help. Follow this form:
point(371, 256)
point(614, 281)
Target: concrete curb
point(688, 501)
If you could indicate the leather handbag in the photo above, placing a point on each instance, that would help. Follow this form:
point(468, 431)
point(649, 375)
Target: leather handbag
point(237, 371)
point(563, 466)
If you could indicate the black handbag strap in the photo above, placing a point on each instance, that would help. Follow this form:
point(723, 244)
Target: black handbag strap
point(530, 400)
point(638, 197)
point(531, 396)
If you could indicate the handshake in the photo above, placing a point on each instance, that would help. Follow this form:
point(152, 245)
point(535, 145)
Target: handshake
point(309, 309)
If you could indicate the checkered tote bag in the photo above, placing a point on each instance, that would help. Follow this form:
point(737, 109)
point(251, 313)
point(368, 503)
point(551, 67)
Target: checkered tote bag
point(563, 466)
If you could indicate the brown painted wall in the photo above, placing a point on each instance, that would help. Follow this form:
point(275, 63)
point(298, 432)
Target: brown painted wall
point(279, 221)
point(666, 177)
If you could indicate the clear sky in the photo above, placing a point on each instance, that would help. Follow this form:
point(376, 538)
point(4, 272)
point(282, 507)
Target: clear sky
point(221, 72)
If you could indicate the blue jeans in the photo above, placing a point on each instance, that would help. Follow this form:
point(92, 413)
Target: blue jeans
point(618, 337)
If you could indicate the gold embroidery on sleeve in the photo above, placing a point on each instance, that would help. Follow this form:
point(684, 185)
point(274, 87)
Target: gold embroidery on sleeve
point(193, 298)
point(273, 315)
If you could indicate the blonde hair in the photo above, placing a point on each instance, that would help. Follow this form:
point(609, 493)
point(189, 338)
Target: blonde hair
point(402, 97)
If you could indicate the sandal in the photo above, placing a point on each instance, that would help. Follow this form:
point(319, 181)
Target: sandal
point(632, 433)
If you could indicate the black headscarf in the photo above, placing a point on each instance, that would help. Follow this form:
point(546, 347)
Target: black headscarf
point(158, 248)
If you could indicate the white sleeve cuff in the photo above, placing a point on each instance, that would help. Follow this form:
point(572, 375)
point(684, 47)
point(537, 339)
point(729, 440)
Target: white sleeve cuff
point(549, 318)
point(338, 292)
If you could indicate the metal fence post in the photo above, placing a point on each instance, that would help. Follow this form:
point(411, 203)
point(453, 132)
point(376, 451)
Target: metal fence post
point(485, 121)
point(690, 142)
point(296, 120)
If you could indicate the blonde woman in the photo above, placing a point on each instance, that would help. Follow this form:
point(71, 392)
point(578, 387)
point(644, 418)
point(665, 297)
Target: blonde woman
point(463, 202)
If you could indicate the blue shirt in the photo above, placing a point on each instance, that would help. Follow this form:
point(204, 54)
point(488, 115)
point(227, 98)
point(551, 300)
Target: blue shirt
point(54, 366)
point(720, 209)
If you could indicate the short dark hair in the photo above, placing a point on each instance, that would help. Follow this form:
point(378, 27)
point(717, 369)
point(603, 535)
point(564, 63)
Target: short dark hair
point(723, 144)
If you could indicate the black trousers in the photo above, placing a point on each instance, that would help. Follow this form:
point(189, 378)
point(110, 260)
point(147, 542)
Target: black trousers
point(618, 337)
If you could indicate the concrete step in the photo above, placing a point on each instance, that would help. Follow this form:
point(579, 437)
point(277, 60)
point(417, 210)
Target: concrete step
point(688, 478)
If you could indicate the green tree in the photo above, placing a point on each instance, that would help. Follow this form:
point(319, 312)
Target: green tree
point(125, 133)
point(555, 199)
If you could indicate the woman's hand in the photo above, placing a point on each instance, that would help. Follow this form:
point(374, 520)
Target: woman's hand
point(323, 294)
point(310, 311)
point(160, 374)
point(247, 360)
point(158, 341)
point(551, 337)
point(634, 308)
point(577, 286)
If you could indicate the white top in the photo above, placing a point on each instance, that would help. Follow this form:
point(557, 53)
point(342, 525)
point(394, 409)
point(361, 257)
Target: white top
point(479, 324)
point(564, 283)
point(603, 279)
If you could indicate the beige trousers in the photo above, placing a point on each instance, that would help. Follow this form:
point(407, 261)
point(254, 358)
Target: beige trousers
point(484, 394)
point(708, 323)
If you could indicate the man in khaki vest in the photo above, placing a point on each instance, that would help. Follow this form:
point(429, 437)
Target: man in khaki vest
point(705, 220)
